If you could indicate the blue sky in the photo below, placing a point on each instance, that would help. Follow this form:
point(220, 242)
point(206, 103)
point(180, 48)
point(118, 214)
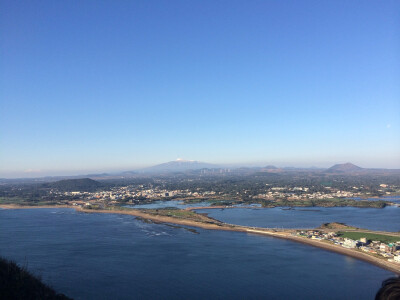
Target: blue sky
point(115, 85)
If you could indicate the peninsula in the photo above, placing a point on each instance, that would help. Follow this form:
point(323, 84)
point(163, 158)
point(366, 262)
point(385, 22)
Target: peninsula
point(323, 237)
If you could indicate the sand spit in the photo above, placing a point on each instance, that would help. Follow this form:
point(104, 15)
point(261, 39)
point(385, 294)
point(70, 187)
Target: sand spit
point(285, 234)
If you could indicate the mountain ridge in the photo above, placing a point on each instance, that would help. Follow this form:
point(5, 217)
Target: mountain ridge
point(179, 165)
point(344, 168)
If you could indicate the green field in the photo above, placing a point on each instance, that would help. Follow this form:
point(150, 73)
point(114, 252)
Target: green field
point(370, 236)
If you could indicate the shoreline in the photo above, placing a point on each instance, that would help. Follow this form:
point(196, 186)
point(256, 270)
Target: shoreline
point(393, 267)
point(259, 231)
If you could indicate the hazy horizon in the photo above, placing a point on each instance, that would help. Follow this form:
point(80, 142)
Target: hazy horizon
point(45, 173)
point(92, 87)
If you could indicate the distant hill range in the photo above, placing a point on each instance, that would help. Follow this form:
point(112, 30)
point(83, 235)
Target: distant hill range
point(71, 185)
point(179, 165)
point(271, 169)
point(92, 182)
point(344, 168)
point(351, 169)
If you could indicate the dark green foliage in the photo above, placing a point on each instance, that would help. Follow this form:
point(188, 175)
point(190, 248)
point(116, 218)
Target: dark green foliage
point(18, 283)
point(71, 185)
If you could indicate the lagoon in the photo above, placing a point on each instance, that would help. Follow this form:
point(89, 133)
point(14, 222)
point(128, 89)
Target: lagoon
point(384, 219)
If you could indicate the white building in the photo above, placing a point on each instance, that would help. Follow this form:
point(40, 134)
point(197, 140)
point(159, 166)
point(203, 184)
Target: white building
point(349, 243)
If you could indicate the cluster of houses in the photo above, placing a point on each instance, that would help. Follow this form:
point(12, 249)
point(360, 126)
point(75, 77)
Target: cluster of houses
point(302, 193)
point(271, 193)
point(391, 251)
point(129, 192)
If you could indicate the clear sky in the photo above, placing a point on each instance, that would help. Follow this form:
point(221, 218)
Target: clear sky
point(115, 85)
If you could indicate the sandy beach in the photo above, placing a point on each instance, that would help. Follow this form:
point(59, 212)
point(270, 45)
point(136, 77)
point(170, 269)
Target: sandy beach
point(285, 234)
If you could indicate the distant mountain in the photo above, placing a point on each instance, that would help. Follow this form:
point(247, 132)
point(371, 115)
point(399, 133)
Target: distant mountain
point(270, 167)
point(179, 165)
point(98, 175)
point(344, 168)
point(72, 185)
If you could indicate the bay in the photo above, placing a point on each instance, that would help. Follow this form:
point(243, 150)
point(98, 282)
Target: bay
point(109, 256)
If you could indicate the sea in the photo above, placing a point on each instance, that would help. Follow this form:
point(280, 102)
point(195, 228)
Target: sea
point(111, 256)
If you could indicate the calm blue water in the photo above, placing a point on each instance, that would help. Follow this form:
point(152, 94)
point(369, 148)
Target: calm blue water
point(169, 203)
point(395, 199)
point(181, 204)
point(386, 219)
point(105, 256)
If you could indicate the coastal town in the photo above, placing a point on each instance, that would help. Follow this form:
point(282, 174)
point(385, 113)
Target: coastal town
point(389, 250)
point(137, 194)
